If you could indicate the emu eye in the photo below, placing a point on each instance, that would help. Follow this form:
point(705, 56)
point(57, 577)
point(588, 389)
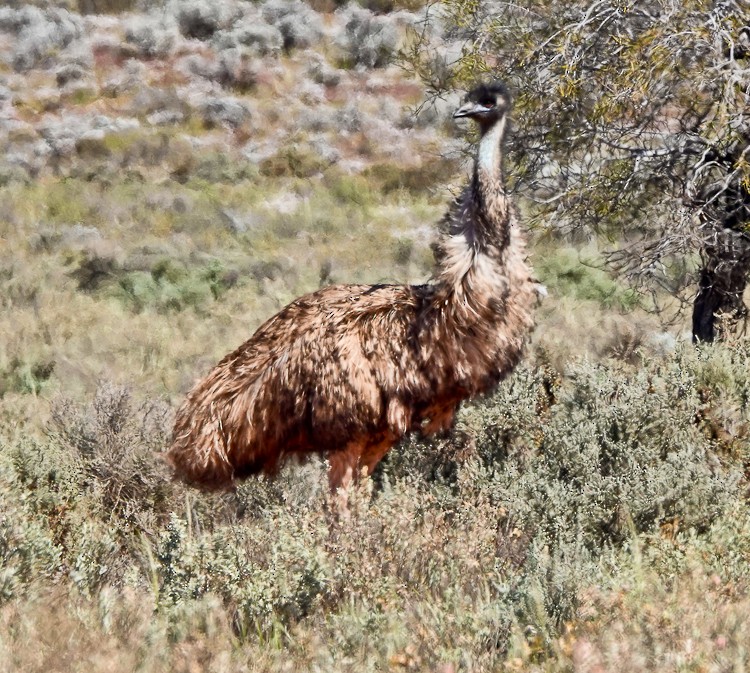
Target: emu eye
point(488, 103)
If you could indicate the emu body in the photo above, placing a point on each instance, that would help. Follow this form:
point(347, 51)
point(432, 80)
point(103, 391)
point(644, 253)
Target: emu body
point(348, 370)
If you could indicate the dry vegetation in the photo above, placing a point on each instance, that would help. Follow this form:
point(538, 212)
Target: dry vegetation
point(171, 177)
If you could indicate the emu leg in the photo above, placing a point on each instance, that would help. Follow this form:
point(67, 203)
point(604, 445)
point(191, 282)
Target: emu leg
point(347, 466)
point(440, 419)
point(374, 453)
point(342, 471)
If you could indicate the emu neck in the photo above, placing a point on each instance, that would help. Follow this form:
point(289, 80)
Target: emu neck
point(493, 216)
point(473, 250)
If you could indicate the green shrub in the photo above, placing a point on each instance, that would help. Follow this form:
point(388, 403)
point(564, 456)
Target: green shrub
point(222, 168)
point(28, 554)
point(25, 376)
point(571, 466)
point(601, 453)
point(566, 273)
point(268, 580)
point(170, 286)
point(350, 189)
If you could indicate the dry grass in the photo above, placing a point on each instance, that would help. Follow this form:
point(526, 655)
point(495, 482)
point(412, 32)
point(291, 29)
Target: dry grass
point(574, 519)
point(591, 516)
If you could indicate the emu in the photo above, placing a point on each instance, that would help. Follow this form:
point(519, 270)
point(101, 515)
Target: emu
point(348, 370)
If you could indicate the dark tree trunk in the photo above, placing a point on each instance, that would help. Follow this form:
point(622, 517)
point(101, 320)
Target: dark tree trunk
point(723, 279)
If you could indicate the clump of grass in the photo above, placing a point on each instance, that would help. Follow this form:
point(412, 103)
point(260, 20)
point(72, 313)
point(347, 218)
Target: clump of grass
point(402, 251)
point(416, 179)
point(106, 6)
point(81, 94)
point(293, 161)
point(350, 189)
point(217, 167)
point(136, 147)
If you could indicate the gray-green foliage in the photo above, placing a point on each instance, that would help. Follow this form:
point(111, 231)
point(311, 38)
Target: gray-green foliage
point(300, 26)
point(368, 40)
point(265, 577)
point(506, 523)
point(41, 34)
point(25, 376)
point(613, 452)
point(596, 454)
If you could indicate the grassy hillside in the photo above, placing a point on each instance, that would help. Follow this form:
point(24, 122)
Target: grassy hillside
point(171, 176)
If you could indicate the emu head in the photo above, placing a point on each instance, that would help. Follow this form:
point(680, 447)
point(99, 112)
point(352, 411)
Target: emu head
point(486, 104)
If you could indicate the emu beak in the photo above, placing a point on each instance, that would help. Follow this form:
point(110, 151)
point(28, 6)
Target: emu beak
point(470, 109)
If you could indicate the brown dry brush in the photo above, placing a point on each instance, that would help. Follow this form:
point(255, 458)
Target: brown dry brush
point(116, 440)
point(348, 370)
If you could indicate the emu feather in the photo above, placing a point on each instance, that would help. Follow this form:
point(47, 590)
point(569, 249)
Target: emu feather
point(348, 370)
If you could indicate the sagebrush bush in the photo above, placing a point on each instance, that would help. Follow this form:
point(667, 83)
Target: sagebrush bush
point(200, 19)
point(466, 549)
point(368, 40)
point(41, 34)
point(237, 69)
point(229, 111)
point(618, 452)
point(254, 34)
point(150, 36)
point(116, 446)
point(299, 25)
point(321, 72)
point(70, 72)
point(14, 20)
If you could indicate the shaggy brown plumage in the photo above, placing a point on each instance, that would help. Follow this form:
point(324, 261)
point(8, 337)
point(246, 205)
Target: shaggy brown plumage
point(348, 370)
